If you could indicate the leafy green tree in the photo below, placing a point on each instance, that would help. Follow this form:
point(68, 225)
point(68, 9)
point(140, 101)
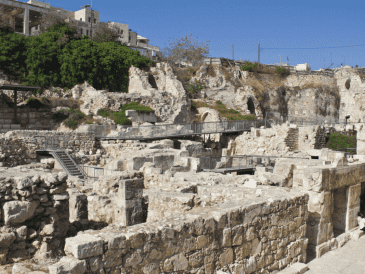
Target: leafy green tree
point(43, 53)
point(186, 49)
point(12, 49)
point(103, 65)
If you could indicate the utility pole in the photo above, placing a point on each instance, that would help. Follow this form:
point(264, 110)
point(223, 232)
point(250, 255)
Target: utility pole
point(259, 54)
point(232, 53)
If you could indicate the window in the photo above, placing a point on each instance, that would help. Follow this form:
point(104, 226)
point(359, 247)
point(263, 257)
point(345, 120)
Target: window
point(94, 21)
point(80, 19)
point(87, 32)
point(89, 20)
point(81, 31)
point(121, 31)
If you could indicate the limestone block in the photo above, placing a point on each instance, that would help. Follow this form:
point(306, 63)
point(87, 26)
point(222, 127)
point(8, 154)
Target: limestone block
point(84, 246)
point(177, 263)
point(16, 212)
point(68, 265)
point(6, 239)
point(322, 249)
point(133, 259)
point(23, 182)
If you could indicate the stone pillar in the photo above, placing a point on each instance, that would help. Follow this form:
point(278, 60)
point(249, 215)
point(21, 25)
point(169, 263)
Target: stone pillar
point(26, 22)
point(128, 210)
point(353, 205)
point(78, 207)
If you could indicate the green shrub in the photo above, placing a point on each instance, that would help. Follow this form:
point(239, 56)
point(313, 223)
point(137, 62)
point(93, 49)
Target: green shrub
point(72, 117)
point(196, 87)
point(341, 141)
point(119, 116)
point(282, 71)
point(249, 66)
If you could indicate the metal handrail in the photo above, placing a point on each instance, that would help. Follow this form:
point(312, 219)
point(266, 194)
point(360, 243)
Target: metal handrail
point(61, 162)
point(74, 150)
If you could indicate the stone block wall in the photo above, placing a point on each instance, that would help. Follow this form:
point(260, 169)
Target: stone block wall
point(34, 219)
point(29, 118)
point(19, 147)
point(250, 238)
point(140, 117)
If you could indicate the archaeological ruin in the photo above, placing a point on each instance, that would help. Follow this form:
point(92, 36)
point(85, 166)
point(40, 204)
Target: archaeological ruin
point(182, 188)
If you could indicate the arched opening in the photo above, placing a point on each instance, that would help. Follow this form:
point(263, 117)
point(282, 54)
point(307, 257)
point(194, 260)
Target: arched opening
point(251, 106)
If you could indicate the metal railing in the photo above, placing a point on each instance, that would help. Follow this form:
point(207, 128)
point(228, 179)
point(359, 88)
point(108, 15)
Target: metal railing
point(171, 130)
point(239, 161)
point(87, 168)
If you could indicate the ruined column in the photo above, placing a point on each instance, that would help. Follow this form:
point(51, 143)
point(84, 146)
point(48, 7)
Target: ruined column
point(128, 209)
point(26, 22)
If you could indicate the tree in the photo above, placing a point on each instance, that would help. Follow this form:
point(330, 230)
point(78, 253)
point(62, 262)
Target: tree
point(186, 49)
point(105, 32)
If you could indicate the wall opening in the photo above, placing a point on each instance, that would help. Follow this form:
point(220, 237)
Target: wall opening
point(314, 157)
point(339, 211)
point(362, 198)
point(251, 106)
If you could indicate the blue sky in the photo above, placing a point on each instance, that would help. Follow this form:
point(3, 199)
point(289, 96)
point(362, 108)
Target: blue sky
point(273, 24)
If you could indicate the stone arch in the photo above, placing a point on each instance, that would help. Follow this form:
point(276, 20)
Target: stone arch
point(251, 106)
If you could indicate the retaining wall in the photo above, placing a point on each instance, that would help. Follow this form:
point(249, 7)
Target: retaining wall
point(19, 146)
point(243, 237)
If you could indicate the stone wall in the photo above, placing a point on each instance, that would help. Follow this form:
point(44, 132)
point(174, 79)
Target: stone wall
point(310, 103)
point(35, 217)
point(29, 118)
point(19, 147)
point(241, 237)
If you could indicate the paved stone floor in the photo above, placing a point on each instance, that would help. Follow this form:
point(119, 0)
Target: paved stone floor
point(350, 259)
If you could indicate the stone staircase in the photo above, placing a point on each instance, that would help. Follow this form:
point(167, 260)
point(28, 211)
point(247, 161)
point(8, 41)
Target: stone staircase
point(68, 164)
point(292, 139)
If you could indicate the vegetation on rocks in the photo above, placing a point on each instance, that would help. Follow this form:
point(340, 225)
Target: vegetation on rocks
point(339, 141)
point(230, 114)
point(72, 117)
point(119, 116)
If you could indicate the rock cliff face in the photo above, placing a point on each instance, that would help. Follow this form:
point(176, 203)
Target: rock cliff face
point(168, 97)
point(266, 95)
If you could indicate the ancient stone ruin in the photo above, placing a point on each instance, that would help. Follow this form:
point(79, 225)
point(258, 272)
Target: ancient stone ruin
point(179, 190)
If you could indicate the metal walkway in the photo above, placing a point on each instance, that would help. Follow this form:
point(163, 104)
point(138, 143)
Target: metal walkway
point(179, 130)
